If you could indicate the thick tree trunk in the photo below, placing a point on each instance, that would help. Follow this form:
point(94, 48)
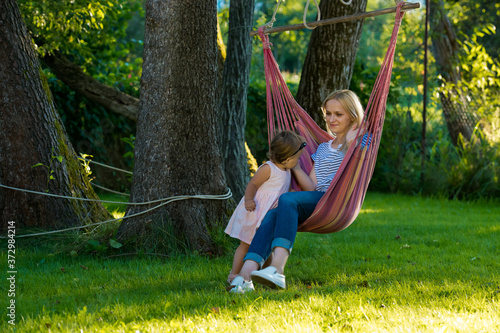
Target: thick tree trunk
point(330, 57)
point(73, 76)
point(445, 49)
point(176, 149)
point(233, 102)
point(31, 132)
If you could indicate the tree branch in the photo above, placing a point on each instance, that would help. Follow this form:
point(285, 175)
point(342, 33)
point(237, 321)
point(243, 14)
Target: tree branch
point(73, 76)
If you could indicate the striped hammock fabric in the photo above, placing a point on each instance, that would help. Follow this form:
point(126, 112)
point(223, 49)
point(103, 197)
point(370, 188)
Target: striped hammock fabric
point(342, 202)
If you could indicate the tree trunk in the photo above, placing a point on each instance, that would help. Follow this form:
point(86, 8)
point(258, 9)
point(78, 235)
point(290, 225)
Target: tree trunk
point(330, 57)
point(176, 151)
point(445, 49)
point(31, 132)
point(233, 102)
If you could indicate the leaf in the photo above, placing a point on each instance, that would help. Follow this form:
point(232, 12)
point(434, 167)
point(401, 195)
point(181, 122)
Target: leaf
point(37, 165)
point(59, 158)
point(115, 244)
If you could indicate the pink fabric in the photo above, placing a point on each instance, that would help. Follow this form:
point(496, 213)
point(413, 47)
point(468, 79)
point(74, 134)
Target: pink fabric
point(342, 202)
point(243, 224)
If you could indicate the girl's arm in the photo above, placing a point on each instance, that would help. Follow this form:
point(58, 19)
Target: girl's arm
point(260, 177)
point(305, 181)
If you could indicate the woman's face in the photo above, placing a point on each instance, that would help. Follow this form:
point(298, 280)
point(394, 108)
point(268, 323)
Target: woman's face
point(337, 119)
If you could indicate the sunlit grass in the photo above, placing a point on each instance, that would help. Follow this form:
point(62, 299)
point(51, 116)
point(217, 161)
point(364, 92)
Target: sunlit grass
point(408, 264)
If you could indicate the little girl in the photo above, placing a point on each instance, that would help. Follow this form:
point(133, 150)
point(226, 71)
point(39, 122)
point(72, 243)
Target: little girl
point(270, 181)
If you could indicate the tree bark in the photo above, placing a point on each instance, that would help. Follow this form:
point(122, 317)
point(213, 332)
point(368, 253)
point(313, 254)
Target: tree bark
point(234, 90)
point(176, 151)
point(445, 49)
point(31, 132)
point(330, 57)
point(109, 97)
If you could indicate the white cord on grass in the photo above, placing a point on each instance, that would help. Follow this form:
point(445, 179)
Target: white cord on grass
point(169, 200)
point(85, 199)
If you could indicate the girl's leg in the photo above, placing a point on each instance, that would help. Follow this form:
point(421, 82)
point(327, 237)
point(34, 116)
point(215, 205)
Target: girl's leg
point(248, 267)
point(239, 254)
point(278, 230)
point(260, 248)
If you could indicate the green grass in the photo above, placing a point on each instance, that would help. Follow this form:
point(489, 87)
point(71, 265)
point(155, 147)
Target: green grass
point(408, 264)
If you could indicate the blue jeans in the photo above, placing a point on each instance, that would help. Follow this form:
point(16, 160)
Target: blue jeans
point(279, 226)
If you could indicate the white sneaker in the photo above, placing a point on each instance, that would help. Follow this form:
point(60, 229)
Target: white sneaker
point(269, 277)
point(240, 286)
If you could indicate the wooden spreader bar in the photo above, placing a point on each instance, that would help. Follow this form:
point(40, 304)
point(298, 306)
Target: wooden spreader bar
point(360, 16)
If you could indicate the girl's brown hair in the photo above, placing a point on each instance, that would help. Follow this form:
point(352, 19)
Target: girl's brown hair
point(284, 145)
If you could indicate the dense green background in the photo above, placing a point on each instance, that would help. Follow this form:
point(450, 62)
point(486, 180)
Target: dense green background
point(105, 39)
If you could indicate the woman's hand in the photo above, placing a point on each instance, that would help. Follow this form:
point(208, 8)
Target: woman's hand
point(351, 135)
point(250, 205)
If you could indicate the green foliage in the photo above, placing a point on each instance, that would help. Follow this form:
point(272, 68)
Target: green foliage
point(468, 17)
point(77, 26)
point(130, 141)
point(407, 264)
point(49, 168)
point(85, 163)
point(93, 35)
point(95, 246)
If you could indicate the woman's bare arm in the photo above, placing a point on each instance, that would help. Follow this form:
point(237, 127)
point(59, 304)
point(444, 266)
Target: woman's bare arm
point(305, 181)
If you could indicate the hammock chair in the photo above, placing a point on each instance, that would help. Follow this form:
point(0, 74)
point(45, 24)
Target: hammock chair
point(342, 201)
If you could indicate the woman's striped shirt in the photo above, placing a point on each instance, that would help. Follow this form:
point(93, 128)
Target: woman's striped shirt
point(327, 161)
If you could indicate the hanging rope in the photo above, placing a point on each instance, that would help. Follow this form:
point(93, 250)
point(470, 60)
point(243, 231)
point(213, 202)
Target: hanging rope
point(305, 14)
point(273, 18)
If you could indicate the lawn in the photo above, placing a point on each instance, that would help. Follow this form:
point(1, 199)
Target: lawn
point(407, 264)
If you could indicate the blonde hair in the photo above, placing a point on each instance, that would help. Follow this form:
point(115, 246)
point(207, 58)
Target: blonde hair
point(283, 146)
point(351, 104)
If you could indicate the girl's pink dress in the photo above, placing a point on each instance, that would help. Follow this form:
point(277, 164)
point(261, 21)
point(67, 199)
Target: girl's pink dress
point(243, 224)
